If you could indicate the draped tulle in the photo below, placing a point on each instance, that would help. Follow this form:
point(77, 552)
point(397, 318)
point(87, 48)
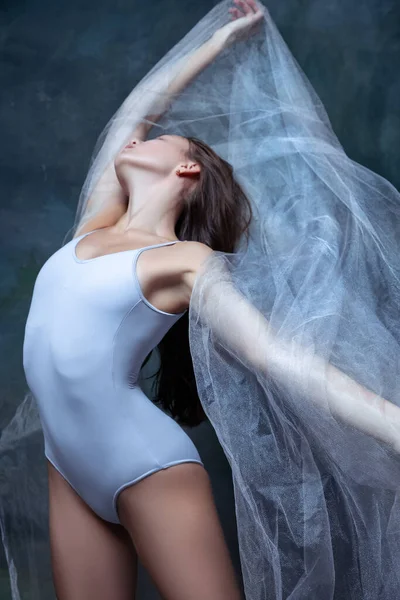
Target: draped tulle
point(316, 488)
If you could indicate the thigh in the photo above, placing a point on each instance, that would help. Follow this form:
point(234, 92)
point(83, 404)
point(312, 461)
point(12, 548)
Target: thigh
point(173, 521)
point(90, 557)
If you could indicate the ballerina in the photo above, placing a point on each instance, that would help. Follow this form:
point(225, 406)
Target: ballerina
point(278, 335)
point(124, 479)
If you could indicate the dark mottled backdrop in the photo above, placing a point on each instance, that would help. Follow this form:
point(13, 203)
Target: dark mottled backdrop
point(66, 66)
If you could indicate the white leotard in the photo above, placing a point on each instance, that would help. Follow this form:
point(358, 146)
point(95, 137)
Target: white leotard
point(88, 331)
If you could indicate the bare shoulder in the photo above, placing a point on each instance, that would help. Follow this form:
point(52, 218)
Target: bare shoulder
point(193, 254)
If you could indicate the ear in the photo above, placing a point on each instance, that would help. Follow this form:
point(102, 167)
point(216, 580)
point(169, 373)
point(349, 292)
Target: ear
point(188, 169)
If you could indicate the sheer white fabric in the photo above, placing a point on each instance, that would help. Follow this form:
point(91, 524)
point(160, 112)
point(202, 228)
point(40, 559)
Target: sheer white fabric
point(315, 293)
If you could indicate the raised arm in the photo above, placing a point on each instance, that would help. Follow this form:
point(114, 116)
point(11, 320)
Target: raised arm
point(108, 202)
point(243, 23)
point(247, 334)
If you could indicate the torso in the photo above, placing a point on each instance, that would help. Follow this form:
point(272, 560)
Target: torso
point(159, 270)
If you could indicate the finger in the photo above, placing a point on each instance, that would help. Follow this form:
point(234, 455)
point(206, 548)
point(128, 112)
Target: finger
point(235, 13)
point(244, 6)
point(239, 13)
point(252, 6)
point(255, 6)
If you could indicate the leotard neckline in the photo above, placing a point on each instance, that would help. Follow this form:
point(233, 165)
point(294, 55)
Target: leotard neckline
point(138, 252)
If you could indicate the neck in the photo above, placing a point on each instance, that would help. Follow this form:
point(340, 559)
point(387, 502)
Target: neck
point(153, 208)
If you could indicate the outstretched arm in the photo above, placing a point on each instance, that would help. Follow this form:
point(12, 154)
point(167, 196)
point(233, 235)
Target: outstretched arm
point(247, 334)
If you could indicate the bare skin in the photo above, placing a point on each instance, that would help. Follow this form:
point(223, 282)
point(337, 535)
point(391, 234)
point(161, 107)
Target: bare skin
point(160, 271)
point(168, 519)
point(90, 557)
point(173, 522)
point(148, 183)
point(94, 558)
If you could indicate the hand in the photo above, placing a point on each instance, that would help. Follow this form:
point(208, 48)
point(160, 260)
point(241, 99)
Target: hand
point(244, 22)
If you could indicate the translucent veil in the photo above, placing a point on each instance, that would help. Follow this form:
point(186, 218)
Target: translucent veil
point(313, 295)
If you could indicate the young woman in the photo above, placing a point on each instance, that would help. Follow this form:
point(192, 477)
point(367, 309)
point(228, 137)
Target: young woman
point(279, 376)
point(124, 478)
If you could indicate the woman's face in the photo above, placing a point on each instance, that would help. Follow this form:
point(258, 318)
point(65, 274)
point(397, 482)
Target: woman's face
point(157, 158)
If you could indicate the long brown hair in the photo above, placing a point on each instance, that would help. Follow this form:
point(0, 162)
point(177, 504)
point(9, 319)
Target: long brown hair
point(217, 212)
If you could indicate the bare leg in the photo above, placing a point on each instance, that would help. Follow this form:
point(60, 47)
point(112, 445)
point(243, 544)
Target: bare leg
point(91, 558)
point(174, 524)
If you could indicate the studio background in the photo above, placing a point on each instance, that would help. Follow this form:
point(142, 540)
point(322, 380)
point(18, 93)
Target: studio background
point(65, 69)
